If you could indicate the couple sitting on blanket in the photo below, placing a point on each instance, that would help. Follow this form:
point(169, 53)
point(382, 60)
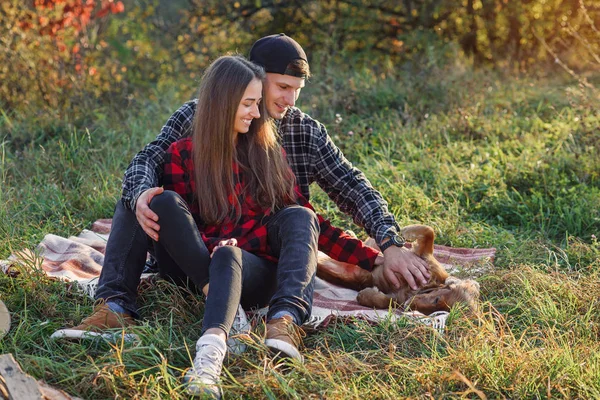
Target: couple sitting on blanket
point(232, 215)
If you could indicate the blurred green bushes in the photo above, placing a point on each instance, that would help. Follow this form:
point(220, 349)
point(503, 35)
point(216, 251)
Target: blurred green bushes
point(53, 55)
point(67, 60)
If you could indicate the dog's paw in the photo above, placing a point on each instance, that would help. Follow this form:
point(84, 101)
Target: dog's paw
point(366, 295)
point(369, 291)
point(351, 233)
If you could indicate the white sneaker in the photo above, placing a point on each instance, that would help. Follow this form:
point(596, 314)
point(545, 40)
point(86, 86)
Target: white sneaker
point(240, 329)
point(203, 378)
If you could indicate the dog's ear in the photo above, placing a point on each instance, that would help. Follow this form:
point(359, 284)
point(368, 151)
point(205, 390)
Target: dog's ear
point(469, 285)
point(452, 280)
point(463, 291)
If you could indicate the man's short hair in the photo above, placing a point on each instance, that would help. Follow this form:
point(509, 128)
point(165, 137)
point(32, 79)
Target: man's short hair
point(299, 67)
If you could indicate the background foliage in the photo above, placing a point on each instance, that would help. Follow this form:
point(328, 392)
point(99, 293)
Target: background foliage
point(479, 118)
point(58, 56)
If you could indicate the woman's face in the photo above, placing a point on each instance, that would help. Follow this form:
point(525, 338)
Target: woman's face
point(248, 107)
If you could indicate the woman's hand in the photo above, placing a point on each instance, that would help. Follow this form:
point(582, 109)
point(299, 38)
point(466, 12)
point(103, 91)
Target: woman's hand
point(227, 242)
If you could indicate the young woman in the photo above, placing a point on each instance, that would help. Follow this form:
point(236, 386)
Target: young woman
point(231, 217)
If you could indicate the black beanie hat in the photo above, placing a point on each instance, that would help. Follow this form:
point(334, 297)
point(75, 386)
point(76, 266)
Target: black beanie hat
point(275, 52)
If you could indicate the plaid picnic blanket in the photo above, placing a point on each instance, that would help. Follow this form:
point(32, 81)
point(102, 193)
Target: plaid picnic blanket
point(80, 258)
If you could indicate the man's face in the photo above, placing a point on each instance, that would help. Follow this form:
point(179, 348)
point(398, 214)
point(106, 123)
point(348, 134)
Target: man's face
point(281, 92)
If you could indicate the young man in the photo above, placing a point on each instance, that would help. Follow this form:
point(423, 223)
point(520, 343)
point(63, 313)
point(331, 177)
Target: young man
point(312, 156)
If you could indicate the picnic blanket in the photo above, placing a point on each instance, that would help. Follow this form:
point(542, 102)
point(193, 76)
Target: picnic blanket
point(79, 259)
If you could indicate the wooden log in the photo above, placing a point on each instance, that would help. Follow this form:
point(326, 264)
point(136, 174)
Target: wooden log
point(4, 319)
point(17, 385)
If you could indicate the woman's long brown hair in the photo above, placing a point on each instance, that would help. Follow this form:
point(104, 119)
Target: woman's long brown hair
point(267, 175)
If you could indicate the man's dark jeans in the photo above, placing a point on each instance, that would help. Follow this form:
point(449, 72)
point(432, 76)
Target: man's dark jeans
point(236, 274)
point(124, 260)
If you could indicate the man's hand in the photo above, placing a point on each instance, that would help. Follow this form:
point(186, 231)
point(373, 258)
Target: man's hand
point(402, 261)
point(145, 216)
point(226, 242)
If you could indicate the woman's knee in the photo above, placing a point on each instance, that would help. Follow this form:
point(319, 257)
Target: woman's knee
point(165, 202)
point(227, 257)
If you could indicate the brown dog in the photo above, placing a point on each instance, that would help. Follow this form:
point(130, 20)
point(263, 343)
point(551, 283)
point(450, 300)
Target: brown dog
point(439, 294)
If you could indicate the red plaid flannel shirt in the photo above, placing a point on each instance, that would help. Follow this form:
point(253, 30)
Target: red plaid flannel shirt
point(251, 231)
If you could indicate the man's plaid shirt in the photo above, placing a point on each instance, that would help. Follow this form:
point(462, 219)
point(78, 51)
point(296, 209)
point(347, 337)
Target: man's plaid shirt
point(251, 230)
point(311, 154)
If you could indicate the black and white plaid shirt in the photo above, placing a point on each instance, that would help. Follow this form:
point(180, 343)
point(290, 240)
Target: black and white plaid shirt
point(311, 154)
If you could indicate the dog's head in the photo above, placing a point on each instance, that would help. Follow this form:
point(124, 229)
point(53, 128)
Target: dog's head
point(443, 297)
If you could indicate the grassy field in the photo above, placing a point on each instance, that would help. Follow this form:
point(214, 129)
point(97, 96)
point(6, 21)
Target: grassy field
point(487, 159)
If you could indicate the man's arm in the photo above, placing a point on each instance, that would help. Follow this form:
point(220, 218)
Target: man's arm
point(143, 175)
point(349, 188)
point(145, 169)
point(353, 193)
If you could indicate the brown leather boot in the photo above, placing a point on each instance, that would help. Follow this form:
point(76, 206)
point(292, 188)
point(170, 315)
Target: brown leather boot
point(284, 338)
point(102, 319)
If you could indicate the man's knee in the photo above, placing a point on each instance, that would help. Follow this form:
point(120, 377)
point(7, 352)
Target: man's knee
point(165, 202)
point(124, 226)
point(298, 223)
point(123, 215)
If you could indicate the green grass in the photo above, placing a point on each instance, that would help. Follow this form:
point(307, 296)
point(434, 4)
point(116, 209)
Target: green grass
point(487, 159)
